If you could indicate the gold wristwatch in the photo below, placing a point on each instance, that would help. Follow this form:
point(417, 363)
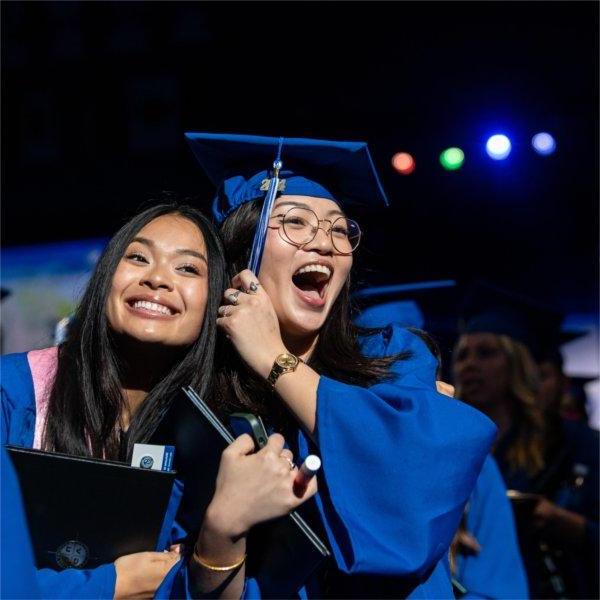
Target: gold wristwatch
point(284, 363)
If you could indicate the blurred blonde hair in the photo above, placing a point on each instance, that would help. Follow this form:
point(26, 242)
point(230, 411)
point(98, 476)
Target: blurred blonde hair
point(528, 448)
point(527, 451)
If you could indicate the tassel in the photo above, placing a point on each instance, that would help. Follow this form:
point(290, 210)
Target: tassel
point(258, 244)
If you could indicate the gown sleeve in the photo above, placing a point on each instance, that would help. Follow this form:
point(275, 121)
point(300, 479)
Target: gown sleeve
point(16, 554)
point(17, 427)
point(497, 571)
point(399, 463)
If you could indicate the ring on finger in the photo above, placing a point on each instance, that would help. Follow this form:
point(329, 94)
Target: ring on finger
point(233, 297)
point(253, 287)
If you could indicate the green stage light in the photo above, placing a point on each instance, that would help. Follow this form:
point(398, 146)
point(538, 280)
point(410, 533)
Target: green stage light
point(452, 159)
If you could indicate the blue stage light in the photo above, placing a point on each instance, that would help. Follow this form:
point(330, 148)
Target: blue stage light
point(498, 147)
point(543, 143)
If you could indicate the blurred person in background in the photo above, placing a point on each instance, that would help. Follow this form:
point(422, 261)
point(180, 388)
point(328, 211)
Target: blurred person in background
point(560, 393)
point(485, 559)
point(549, 465)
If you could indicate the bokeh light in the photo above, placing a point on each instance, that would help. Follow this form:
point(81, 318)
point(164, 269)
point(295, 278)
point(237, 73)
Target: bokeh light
point(404, 163)
point(452, 159)
point(543, 143)
point(498, 147)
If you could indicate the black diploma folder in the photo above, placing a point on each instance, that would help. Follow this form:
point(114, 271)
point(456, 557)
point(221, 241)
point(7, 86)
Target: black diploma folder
point(84, 512)
point(282, 553)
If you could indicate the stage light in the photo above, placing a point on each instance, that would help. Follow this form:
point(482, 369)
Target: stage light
point(404, 163)
point(452, 159)
point(543, 143)
point(498, 147)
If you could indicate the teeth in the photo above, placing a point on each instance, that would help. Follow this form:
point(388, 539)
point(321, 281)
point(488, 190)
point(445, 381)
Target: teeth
point(153, 306)
point(314, 268)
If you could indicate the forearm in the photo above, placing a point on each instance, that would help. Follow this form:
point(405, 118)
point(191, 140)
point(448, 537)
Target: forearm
point(567, 526)
point(299, 392)
point(215, 546)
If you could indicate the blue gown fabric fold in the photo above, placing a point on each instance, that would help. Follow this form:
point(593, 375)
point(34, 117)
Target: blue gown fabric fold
point(497, 571)
point(399, 463)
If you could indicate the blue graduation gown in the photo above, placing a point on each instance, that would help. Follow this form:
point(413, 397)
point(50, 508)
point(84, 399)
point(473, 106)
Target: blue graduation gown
point(399, 463)
point(578, 452)
point(497, 571)
point(17, 428)
point(16, 555)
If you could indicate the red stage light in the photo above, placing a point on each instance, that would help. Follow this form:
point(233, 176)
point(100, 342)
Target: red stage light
point(404, 163)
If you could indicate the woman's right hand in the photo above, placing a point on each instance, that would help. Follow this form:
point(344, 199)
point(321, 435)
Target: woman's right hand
point(139, 575)
point(254, 487)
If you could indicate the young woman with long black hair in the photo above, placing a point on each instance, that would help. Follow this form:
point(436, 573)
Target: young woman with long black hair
point(399, 459)
point(144, 328)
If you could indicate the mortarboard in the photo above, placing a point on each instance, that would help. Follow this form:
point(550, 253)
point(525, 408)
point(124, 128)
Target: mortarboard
point(418, 304)
point(491, 309)
point(245, 168)
point(427, 305)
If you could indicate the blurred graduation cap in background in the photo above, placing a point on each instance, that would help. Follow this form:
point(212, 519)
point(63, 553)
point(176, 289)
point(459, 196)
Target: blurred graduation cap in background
point(427, 305)
point(408, 304)
point(488, 308)
point(245, 168)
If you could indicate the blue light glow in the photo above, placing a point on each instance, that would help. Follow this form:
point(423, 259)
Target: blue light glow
point(498, 147)
point(543, 143)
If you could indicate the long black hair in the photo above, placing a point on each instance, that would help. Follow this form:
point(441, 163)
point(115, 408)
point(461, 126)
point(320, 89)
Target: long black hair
point(337, 353)
point(86, 401)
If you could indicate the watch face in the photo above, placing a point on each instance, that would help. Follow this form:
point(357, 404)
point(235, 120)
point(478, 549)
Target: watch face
point(287, 361)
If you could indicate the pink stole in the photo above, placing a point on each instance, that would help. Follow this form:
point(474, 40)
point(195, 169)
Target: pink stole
point(42, 364)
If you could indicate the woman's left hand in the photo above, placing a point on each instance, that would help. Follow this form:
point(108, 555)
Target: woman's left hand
point(248, 319)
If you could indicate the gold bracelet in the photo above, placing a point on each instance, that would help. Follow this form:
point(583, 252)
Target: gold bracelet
point(239, 563)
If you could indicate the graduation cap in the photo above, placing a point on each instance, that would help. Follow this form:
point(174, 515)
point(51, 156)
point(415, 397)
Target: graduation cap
point(491, 309)
point(419, 304)
point(427, 305)
point(246, 168)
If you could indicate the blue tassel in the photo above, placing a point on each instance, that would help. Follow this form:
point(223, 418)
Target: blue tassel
point(258, 245)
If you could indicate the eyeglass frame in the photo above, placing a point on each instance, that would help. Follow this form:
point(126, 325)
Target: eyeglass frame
point(319, 221)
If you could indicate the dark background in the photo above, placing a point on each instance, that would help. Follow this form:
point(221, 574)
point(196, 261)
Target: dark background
point(96, 97)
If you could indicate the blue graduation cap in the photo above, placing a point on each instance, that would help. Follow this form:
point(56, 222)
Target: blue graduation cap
point(427, 305)
point(491, 309)
point(246, 167)
point(408, 304)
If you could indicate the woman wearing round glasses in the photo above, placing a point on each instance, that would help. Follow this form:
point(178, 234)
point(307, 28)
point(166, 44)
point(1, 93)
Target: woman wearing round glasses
point(399, 459)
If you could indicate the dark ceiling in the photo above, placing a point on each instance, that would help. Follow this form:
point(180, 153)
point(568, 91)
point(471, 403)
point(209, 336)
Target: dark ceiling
point(96, 97)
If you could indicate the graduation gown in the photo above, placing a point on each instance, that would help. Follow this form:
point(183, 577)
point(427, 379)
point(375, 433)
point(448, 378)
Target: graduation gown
point(16, 554)
point(399, 463)
point(25, 382)
point(497, 571)
point(570, 480)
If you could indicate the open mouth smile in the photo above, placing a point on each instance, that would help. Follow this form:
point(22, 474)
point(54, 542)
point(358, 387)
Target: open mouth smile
point(311, 282)
point(150, 309)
